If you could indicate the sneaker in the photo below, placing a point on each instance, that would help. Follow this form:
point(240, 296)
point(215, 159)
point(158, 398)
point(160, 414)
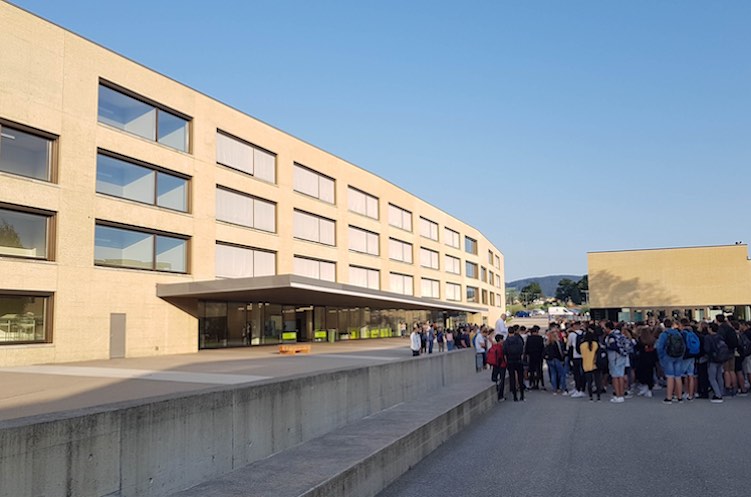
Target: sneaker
point(689, 399)
point(628, 395)
point(565, 393)
point(620, 400)
point(555, 393)
point(716, 400)
point(743, 394)
point(684, 396)
point(598, 398)
point(614, 400)
point(667, 401)
point(648, 394)
point(591, 399)
point(679, 401)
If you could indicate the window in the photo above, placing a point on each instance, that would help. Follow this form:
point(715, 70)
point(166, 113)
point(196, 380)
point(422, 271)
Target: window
point(25, 154)
point(453, 292)
point(428, 229)
point(471, 269)
point(364, 277)
point(25, 234)
point(452, 237)
point(362, 203)
point(400, 251)
point(25, 318)
point(233, 261)
point(498, 280)
point(430, 288)
point(125, 179)
point(471, 294)
point(400, 218)
point(498, 300)
point(313, 183)
point(363, 241)
point(428, 258)
point(492, 298)
point(142, 119)
point(491, 277)
point(401, 283)
point(237, 208)
point(470, 245)
point(242, 156)
point(314, 268)
point(490, 257)
point(453, 265)
point(498, 262)
point(485, 297)
point(314, 228)
point(483, 274)
point(125, 247)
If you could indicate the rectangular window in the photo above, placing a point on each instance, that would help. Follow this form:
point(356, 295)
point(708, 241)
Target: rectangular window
point(498, 300)
point(430, 288)
point(453, 292)
point(314, 268)
point(401, 283)
point(25, 318)
point(400, 218)
point(483, 274)
point(498, 262)
point(142, 119)
point(125, 179)
point(485, 297)
point(243, 262)
point(362, 203)
point(498, 280)
point(25, 234)
point(25, 154)
point(363, 241)
point(492, 298)
point(400, 251)
point(237, 208)
point(491, 277)
point(125, 247)
point(472, 294)
point(470, 269)
point(428, 258)
point(242, 156)
point(428, 229)
point(364, 277)
point(453, 265)
point(452, 237)
point(313, 183)
point(490, 257)
point(314, 228)
point(470, 245)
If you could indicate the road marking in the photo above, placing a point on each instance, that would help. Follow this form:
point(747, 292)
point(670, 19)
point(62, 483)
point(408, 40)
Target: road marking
point(366, 357)
point(138, 374)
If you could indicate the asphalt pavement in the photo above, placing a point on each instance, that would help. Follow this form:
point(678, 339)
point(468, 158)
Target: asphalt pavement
point(559, 446)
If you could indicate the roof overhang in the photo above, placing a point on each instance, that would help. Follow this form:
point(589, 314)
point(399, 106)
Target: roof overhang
point(291, 289)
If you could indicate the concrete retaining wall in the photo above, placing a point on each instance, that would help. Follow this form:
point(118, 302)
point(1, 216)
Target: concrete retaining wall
point(154, 448)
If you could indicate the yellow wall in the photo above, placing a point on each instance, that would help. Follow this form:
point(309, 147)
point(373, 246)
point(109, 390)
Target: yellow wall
point(49, 80)
point(678, 277)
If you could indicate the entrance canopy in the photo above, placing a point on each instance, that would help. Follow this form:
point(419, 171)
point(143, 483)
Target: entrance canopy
point(299, 290)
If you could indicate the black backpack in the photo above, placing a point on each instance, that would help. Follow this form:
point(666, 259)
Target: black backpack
point(514, 348)
point(601, 360)
point(675, 346)
point(744, 344)
point(719, 352)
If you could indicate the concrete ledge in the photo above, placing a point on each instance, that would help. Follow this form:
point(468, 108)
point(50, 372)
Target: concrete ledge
point(364, 457)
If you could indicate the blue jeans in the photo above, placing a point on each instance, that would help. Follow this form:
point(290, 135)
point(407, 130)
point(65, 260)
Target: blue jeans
point(714, 370)
point(450, 345)
point(557, 374)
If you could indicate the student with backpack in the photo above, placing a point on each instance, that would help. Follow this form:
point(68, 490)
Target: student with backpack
point(718, 352)
point(728, 334)
point(574, 339)
point(693, 347)
point(554, 356)
point(646, 361)
point(744, 345)
point(670, 349)
point(513, 350)
point(497, 361)
point(589, 348)
point(619, 347)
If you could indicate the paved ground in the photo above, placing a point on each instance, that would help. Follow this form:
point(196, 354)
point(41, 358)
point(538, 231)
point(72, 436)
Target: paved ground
point(31, 390)
point(557, 446)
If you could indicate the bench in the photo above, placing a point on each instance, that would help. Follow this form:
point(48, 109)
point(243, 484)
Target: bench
point(294, 348)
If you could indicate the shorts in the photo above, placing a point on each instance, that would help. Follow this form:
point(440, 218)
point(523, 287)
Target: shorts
point(729, 365)
point(673, 367)
point(617, 365)
point(747, 365)
point(689, 367)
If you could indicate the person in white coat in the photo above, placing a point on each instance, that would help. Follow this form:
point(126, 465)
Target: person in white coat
point(415, 342)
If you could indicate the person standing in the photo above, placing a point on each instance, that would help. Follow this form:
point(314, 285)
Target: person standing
point(449, 340)
point(500, 327)
point(618, 347)
point(670, 349)
point(647, 358)
point(480, 349)
point(717, 353)
point(440, 338)
point(727, 332)
point(574, 337)
point(429, 336)
point(497, 361)
point(415, 343)
point(588, 348)
point(554, 356)
point(513, 350)
point(534, 349)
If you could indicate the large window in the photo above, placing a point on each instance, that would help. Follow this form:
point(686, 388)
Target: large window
point(126, 179)
point(400, 251)
point(400, 218)
point(498, 280)
point(368, 278)
point(25, 154)
point(484, 274)
point(490, 257)
point(452, 237)
point(313, 183)
point(401, 283)
point(362, 203)
point(142, 119)
point(241, 155)
point(243, 262)
point(428, 258)
point(472, 294)
point(453, 292)
point(498, 262)
point(315, 268)
point(24, 318)
point(125, 247)
point(453, 265)
point(470, 245)
point(428, 229)
point(430, 288)
point(237, 208)
point(363, 241)
point(470, 269)
point(24, 234)
point(314, 228)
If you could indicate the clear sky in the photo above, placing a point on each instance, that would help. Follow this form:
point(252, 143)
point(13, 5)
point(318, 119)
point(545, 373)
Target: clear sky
point(554, 127)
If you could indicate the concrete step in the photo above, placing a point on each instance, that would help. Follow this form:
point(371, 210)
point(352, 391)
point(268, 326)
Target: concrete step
point(364, 457)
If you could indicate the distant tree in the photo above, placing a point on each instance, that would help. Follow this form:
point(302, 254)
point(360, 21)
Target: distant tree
point(568, 291)
point(8, 235)
point(512, 295)
point(583, 285)
point(531, 292)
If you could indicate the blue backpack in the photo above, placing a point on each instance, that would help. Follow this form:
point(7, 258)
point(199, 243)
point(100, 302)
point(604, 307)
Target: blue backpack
point(693, 344)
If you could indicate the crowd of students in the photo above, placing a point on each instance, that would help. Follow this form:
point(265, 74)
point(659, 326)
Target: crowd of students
point(688, 359)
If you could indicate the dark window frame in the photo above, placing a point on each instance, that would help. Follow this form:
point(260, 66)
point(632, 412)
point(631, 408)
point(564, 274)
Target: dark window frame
point(51, 230)
point(48, 315)
point(52, 150)
point(148, 231)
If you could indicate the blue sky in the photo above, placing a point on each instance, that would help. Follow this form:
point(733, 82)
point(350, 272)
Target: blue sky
point(555, 128)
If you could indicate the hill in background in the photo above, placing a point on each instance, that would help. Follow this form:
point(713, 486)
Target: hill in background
point(548, 284)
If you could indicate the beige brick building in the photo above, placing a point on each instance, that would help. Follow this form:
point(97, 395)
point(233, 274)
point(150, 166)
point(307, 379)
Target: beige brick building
point(140, 217)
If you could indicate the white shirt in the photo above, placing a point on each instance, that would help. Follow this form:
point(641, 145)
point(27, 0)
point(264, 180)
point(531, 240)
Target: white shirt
point(500, 328)
point(479, 343)
point(572, 343)
point(415, 342)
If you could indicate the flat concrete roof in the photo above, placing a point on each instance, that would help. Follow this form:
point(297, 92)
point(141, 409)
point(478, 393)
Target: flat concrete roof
point(299, 290)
